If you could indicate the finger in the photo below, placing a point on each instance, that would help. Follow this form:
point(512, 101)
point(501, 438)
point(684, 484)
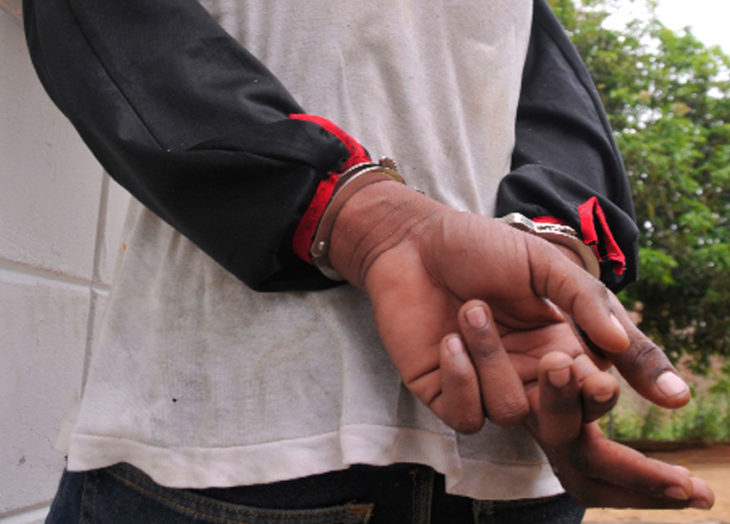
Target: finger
point(525, 366)
point(646, 368)
point(584, 367)
point(559, 405)
point(592, 493)
point(525, 348)
point(643, 364)
point(501, 389)
point(601, 458)
point(599, 392)
point(577, 293)
point(599, 472)
point(702, 495)
point(598, 359)
point(588, 347)
point(459, 404)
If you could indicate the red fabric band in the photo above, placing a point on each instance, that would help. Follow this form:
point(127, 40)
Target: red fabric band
point(307, 226)
point(588, 212)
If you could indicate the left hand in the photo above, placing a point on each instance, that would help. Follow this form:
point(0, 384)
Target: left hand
point(593, 469)
point(504, 359)
point(643, 364)
point(566, 391)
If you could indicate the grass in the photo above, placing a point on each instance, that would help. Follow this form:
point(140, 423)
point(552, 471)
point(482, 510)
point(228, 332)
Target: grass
point(706, 418)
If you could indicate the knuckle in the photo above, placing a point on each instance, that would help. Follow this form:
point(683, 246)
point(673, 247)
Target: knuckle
point(643, 352)
point(485, 351)
point(510, 413)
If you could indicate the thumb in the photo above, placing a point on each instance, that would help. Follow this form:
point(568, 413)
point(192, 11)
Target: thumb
point(645, 366)
point(577, 293)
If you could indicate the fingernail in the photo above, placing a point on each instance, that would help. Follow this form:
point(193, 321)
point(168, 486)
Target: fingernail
point(454, 345)
point(618, 325)
point(559, 378)
point(603, 397)
point(675, 492)
point(671, 385)
point(700, 504)
point(477, 317)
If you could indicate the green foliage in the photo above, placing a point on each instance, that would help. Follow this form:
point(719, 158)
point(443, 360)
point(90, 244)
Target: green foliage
point(658, 266)
point(706, 418)
point(666, 95)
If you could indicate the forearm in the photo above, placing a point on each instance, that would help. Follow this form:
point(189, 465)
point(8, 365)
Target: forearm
point(191, 124)
point(566, 165)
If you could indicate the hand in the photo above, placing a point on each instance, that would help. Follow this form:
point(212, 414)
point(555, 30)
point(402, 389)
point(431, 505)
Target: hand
point(593, 469)
point(500, 363)
point(566, 390)
point(643, 364)
point(419, 261)
point(599, 391)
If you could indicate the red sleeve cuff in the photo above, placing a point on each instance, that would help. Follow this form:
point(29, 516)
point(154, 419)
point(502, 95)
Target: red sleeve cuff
point(307, 227)
point(597, 234)
point(600, 238)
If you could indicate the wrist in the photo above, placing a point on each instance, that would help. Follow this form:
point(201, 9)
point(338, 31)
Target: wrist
point(560, 235)
point(347, 184)
point(375, 219)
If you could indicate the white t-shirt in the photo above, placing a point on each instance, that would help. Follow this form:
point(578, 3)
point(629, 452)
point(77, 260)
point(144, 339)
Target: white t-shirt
point(200, 382)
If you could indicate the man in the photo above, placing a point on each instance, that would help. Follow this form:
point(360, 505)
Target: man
point(286, 399)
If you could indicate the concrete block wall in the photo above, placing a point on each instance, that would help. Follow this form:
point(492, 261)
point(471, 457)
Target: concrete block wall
point(60, 228)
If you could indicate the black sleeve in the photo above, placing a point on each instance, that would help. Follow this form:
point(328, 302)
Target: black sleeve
point(565, 163)
point(191, 124)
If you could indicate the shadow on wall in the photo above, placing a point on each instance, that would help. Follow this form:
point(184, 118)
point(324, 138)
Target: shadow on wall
point(60, 233)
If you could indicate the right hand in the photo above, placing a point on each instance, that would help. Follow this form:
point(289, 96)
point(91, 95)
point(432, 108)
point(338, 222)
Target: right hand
point(419, 261)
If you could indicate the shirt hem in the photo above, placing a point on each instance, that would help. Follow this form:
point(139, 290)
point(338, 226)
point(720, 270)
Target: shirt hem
point(202, 467)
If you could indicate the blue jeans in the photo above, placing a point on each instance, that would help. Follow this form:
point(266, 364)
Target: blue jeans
point(398, 494)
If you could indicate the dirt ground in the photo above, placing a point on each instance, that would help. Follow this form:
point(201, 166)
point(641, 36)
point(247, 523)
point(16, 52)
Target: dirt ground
point(710, 463)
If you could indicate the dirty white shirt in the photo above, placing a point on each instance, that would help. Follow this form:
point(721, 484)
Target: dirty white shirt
point(200, 382)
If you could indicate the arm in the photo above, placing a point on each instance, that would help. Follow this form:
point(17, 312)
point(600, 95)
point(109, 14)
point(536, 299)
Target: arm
point(566, 165)
point(581, 181)
point(420, 262)
point(192, 125)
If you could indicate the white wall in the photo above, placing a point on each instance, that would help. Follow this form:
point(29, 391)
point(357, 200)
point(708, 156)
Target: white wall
point(60, 224)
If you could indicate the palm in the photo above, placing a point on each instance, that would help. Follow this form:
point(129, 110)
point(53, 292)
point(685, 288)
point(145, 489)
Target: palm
point(412, 315)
